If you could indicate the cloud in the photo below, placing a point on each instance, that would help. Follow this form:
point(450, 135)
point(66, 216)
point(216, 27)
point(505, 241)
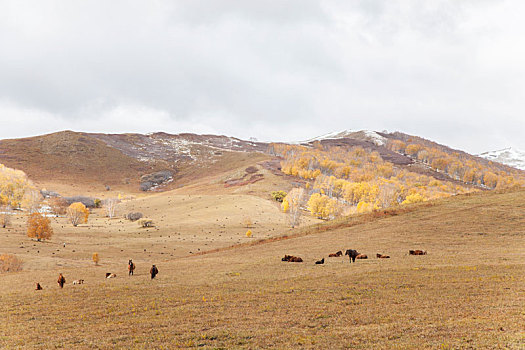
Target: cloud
point(280, 70)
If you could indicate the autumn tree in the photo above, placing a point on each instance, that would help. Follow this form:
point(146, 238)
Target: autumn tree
point(95, 258)
point(77, 213)
point(58, 205)
point(247, 222)
point(10, 263)
point(39, 227)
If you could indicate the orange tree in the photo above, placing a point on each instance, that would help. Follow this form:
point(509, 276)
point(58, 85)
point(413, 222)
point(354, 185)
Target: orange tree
point(39, 227)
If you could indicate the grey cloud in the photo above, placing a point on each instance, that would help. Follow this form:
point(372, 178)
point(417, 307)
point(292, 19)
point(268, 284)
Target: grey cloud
point(284, 70)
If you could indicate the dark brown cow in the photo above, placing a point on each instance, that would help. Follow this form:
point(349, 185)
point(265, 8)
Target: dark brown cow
point(381, 256)
point(335, 255)
point(320, 262)
point(38, 286)
point(352, 254)
point(417, 252)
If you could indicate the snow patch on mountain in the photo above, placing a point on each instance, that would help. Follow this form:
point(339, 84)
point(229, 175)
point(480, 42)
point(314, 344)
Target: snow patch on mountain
point(365, 135)
point(508, 156)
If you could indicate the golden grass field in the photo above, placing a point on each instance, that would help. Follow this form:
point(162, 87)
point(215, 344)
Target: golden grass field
point(467, 293)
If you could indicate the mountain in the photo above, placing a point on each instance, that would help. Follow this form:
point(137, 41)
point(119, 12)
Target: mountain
point(508, 156)
point(363, 135)
point(91, 162)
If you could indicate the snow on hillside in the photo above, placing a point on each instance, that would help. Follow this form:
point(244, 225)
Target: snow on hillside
point(367, 135)
point(508, 156)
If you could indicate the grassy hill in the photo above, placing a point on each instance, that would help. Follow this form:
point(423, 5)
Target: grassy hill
point(468, 292)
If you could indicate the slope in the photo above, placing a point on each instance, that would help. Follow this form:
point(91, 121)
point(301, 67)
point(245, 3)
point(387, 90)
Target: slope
point(468, 292)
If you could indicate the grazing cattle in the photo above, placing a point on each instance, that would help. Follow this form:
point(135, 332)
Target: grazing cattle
point(381, 256)
point(362, 256)
point(335, 255)
point(131, 267)
point(291, 258)
point(153, 271)
point(110, 275)
point(417, 252)
point(38, 286)
point(352, 254)
point(320, 262)
point(61, 281)
point(78, 282)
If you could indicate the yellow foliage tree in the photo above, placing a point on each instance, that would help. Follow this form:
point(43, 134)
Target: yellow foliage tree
point(249, 233)
point(39, 227)
point(95, 258)
point(77, 213)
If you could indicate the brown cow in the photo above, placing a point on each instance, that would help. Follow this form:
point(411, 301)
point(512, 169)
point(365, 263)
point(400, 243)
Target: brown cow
point(335, 255)
point(291, 258)
point(38, 286)
point(381, 256)
point(110, 275)
point(362, 256)
point(320, 262)
point(417, 252)
point(61, 281)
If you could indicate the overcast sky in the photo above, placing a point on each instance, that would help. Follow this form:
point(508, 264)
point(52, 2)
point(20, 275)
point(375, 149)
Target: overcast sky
point(451, 71)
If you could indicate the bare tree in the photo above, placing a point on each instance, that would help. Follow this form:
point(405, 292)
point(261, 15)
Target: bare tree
point(295, 200)
point(5, 215)
point(110, 205)
point(32, 200)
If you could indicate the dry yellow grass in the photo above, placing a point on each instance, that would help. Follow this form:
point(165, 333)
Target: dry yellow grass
point(467, 293)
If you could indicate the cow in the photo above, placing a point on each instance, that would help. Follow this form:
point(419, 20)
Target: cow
point(131, 267)
point(153, 271)
point(110, 275)
point(320, 262)
point(78, 282)
point(417, 252)
point(38, 286)
point(381, 256)
point(291, 258)
point(61, 280)
point(362, 256)
point(335, 255)
point(352, 254)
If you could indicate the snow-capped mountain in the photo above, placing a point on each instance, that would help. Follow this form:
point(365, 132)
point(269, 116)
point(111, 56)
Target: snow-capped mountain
point(364, 135)
point(508, 156)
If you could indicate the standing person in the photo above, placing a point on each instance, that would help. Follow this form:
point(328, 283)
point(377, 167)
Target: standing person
point(153, 271)
point(61, 281)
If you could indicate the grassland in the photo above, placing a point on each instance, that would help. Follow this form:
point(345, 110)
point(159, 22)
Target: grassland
point(467, 293)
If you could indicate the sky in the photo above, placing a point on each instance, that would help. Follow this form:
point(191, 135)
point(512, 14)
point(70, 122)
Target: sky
point(277, 70)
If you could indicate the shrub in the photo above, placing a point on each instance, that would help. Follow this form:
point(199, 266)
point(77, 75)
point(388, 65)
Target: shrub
point(249, 233)
point(279, 196)
point(145, 222)
point(10, 263)
point(134, 216)
point(97, 203)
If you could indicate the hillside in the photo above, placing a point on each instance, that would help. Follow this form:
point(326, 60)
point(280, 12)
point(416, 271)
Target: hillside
point(467, 292)
point(73, 162)
point(509, 156)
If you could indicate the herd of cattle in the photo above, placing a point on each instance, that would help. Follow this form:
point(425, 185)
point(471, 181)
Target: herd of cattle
point(131, 268)
point(352, 255)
